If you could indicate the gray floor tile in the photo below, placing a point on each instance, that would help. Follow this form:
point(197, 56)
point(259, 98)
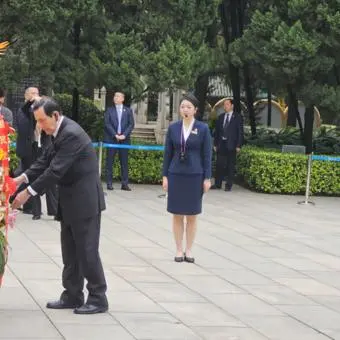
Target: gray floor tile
point(26, 324)
point(266, 269)
point(201, 314)
point(228, 333)
point(155, 326)
point(91, 332)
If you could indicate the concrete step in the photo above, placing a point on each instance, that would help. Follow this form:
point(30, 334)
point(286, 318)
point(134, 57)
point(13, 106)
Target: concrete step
point(146, 138)
point(144, 132)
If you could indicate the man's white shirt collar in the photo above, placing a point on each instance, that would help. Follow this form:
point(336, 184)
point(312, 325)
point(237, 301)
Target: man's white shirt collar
point(58, 126)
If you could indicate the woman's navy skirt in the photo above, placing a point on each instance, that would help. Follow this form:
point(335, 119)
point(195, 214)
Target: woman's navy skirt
point(185, 194)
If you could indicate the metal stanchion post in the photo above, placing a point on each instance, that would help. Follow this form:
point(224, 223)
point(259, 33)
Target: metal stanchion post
point(100, 158)
point(309, 173)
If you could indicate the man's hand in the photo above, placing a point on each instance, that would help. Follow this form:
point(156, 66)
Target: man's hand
point(215, 148)
point(19, 180)
point(238, 150)
point(120, 137)
point(36, 98)
point(21, 199)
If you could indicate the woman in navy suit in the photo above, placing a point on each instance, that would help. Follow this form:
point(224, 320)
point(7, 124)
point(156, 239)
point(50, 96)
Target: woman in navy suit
point(186, 173)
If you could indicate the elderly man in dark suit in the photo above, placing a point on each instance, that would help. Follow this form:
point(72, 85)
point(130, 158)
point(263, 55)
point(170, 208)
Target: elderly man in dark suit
point(29, 145)
point(228, 140)
point(119, 124)
point(71, 162)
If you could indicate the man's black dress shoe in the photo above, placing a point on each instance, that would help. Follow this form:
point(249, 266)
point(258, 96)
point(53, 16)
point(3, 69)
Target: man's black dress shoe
point(179, 258)
point(90, 309)
point(126, 188)
point(36, 217)
point(61, 304)
point(213, 187)
point(227, 188)
point(109, 187)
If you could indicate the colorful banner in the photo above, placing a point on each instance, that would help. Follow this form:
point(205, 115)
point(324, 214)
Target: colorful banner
point(7, 188)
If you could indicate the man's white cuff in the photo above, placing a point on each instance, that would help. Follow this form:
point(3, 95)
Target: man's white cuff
point(26, 178)
point(31, 191)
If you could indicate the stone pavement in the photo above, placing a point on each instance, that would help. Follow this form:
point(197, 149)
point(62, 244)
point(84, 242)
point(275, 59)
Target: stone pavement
point(266, 268)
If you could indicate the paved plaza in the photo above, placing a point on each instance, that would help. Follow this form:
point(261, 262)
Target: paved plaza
point(266, 268)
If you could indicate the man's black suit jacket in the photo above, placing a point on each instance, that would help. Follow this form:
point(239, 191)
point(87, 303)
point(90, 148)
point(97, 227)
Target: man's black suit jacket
point(111, 123)
point(24, 125)
point(235, 132)
point(71, 162)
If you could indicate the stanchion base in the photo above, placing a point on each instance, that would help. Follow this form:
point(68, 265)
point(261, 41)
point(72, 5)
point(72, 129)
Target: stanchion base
point(306, 202)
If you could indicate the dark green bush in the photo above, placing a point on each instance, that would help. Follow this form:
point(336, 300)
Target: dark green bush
point(91, 118)
point(144, 166)
point(273, 172)
point(325, 140)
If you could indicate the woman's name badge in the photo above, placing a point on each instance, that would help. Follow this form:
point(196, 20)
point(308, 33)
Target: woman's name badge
point(194, 132)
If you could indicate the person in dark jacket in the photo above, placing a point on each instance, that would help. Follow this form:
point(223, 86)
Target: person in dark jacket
point(228, 140)
point(29, 145)
point(71, 162)
point(186, 173)
point(118, 125)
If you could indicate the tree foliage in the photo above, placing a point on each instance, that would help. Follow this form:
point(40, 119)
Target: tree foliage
point(295, 44)
point(124, 45)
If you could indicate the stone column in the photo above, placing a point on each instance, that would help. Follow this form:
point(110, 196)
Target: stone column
point(99, 98)
point(177, 95)
point(141, 110)
point(102, 97)
point(163, 117)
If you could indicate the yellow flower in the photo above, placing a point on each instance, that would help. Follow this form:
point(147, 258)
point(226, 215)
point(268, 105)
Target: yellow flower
point(2, 154)
point(3, 47)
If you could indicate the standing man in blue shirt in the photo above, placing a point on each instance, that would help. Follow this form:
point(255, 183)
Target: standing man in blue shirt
point(119, 123)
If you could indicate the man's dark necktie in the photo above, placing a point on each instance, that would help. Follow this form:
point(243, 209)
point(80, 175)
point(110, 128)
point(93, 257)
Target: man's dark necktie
point(225, 126)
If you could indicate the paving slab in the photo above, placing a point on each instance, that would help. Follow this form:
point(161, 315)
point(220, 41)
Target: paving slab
point(266, 269)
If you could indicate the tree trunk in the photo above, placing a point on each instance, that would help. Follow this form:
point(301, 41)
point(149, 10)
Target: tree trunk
point(75, 105)
point(201, 89)
point(309, 124)
point(229, 18)
point(293, 111)
point(75, 94)
point(250, 100)
point(269, 98)
point(292, 107)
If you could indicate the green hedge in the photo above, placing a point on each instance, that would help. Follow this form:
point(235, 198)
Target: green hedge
point(144, 166)
point(271, 171)
point(268, 171)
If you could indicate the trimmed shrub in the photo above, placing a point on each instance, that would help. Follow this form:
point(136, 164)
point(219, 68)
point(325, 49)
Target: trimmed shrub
point(273, 172)
point(144, 166)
